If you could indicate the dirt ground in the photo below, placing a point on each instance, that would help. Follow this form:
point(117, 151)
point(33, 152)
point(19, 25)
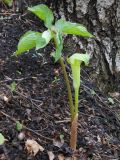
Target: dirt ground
point(39, 102)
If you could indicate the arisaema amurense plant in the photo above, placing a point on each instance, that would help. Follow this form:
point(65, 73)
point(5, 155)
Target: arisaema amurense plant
point(54, 32)
point(75, 62)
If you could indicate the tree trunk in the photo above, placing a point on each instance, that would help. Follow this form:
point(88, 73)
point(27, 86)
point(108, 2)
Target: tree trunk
point(102, 18)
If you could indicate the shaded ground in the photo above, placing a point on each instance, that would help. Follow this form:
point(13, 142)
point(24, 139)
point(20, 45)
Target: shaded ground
point(40, 103)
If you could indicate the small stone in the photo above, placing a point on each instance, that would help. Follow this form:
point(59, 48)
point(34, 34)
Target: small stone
point(21, 136)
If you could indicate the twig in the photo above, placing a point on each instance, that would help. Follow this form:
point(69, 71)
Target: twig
point(3, 113)
point(63, 121)
point(20, 79)
point(29, 129)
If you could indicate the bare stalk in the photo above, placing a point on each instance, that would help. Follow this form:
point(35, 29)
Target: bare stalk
point(74, 123)
point(73, 136)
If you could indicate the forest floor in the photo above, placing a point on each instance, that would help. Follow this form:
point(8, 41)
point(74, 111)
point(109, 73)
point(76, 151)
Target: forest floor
point(32, 91)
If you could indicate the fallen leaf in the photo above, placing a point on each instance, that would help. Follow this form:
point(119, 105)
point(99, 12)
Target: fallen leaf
point(58, 143)
point(2, 157)
point(114, 94)
point(51, 155)
point(33, 147)
point(99, 139)
point(61, 157)
point(69, 158)
point(6, 99)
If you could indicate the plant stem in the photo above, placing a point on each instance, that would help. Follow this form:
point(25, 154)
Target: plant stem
point(74, 123)
point(68, 87)
point(73, 110)
point(73, 136)
point(76, 100)
point(61, 61)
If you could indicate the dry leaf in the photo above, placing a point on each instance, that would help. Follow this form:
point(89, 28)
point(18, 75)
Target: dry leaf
point(70, 158)
point(99, 139)
point(114, 94)
point(61, 157)
point(51, 155)
point(33, 147)
point(6, 99)
point(2, 157)
point(58, 143)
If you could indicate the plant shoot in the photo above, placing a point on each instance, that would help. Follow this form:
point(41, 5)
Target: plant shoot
point(55, 32)
point(75, 62)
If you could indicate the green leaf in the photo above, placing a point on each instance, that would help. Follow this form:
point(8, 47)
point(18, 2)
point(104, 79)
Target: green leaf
point(19, 126)
point(13, 86)
point(72, 28)
point(62, 136)
point(44, 13)
point(59, 46)
point(47, 35)
point(111, 100)
point(30, 40)
point(2, 139)
point(8, 2)
point(75, 61)
point(93, 92)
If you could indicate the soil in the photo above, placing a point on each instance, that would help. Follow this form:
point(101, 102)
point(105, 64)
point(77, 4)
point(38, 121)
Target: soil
point(39, 102)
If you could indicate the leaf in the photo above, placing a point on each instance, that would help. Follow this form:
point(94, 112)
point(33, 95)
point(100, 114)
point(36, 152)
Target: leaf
point(114, 94)
point(3, 156)
point(2, 139)
point(93, 92)
point(111, 100)
point(61, 157)
point(58, 143)
point(13, 86)
point(44, 13)
point(30, 40)
point(19, 126)
point(59, 46)
point(47, 35)
point(72, 28)
point(62, 136)
point(6, 99)
point(8, 2)
point(33, 147)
